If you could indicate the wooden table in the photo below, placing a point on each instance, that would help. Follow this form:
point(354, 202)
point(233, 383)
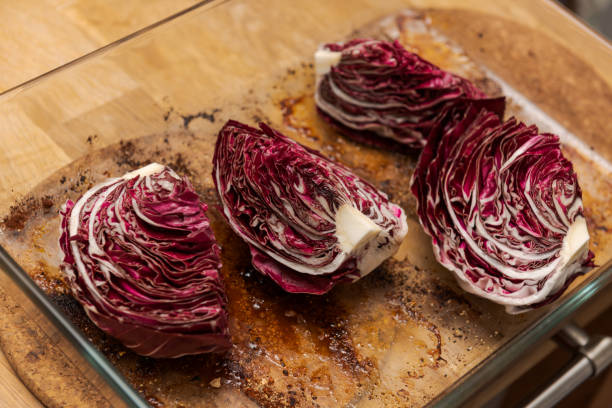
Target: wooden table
point(39, 36)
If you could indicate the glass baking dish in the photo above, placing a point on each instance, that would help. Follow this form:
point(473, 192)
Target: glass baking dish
point(158, 94)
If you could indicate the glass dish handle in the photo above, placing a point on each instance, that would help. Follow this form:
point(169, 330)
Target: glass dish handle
point(593, 354)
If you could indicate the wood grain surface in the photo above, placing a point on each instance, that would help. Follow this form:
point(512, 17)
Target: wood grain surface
point(46, 128)
point(12, 391)
point(39, 35)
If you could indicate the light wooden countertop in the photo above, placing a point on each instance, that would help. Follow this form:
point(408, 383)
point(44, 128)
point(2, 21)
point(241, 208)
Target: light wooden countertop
point(37, 36)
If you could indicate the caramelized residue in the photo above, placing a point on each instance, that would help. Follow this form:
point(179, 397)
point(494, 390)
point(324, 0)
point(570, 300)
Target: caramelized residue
point(288, 107)
point(126, 155)
point(272, 329)
point(20, 213)
point(187, 119)
point(179, 163)
point(49, 281)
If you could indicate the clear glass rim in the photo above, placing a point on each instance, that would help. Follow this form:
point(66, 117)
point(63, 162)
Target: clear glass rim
point(94, 357)
point(492, 366)
point(85, 57)
point(598, 36)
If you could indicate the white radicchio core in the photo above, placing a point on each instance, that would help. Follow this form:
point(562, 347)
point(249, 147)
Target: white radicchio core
point(379, 93)
point(141, 258)
point(503, 208)
point(310, 223)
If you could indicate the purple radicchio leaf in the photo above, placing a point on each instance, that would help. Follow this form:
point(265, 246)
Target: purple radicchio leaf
point(310, 223)
point(377, 92)
point(142, 259)
point(503, 208)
